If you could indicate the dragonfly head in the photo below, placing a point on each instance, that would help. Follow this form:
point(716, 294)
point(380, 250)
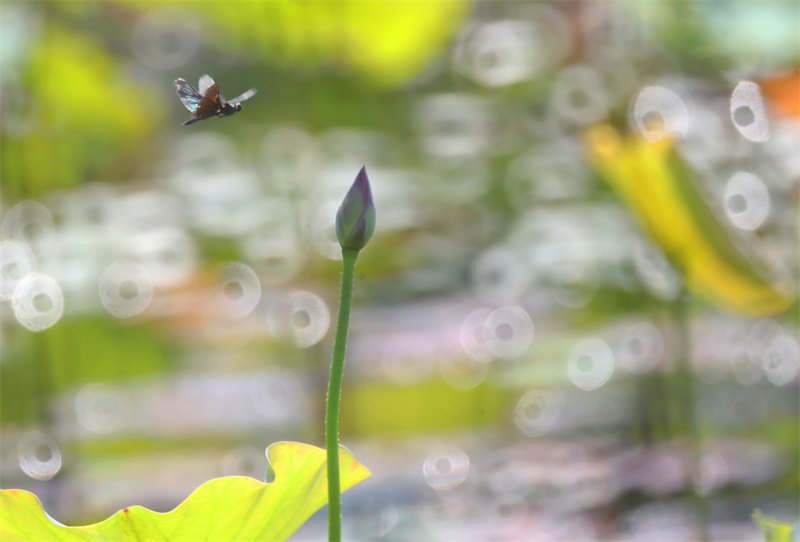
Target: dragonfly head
point(229, 109)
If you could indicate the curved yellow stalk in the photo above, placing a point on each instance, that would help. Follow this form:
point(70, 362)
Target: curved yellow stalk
point(656, 185)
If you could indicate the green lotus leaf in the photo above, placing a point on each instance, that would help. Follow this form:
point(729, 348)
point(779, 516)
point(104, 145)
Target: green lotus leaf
point(232, 508)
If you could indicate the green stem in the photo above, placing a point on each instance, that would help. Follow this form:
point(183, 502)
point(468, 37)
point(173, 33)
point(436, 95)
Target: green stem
point(687, 384)
point(335, 394)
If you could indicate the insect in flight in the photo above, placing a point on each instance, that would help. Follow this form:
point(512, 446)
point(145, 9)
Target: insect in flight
point(207, 101)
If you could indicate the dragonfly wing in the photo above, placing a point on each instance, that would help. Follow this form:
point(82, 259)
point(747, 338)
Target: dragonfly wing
point(244, 96)
point(188, 94)
point(204, 84)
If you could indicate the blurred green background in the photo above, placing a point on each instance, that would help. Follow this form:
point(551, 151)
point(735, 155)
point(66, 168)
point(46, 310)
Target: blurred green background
point(576, 320)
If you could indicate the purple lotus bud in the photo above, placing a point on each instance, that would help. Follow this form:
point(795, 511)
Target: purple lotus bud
point(355, 220)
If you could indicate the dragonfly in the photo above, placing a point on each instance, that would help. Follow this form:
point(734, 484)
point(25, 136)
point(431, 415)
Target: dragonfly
point(207, 101)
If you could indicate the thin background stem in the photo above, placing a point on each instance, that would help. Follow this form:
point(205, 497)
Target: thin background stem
point(334, 396)
point(687, 395)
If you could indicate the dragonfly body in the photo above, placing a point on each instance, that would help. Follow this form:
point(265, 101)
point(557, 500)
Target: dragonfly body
point(207, 101)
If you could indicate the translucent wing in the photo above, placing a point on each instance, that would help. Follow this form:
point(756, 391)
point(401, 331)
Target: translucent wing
point(188, 95)
point(244, 96)
point(204, 84)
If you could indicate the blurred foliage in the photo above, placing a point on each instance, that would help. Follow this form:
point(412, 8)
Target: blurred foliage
point(686, 32)
point(657, 185)
point(93, 349)
point(77, 351)
point(81, 90)
point(752, 32)
point(430, 406)
point(773, 530)
point(382, 43)
point(86, 118)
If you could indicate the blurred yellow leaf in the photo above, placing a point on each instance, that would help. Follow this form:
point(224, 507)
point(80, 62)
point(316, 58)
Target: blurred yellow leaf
point(772, 529)
point(83, 118)
point(384, 43)
point(393, 41)
point(655, 183)
point(82, 92)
